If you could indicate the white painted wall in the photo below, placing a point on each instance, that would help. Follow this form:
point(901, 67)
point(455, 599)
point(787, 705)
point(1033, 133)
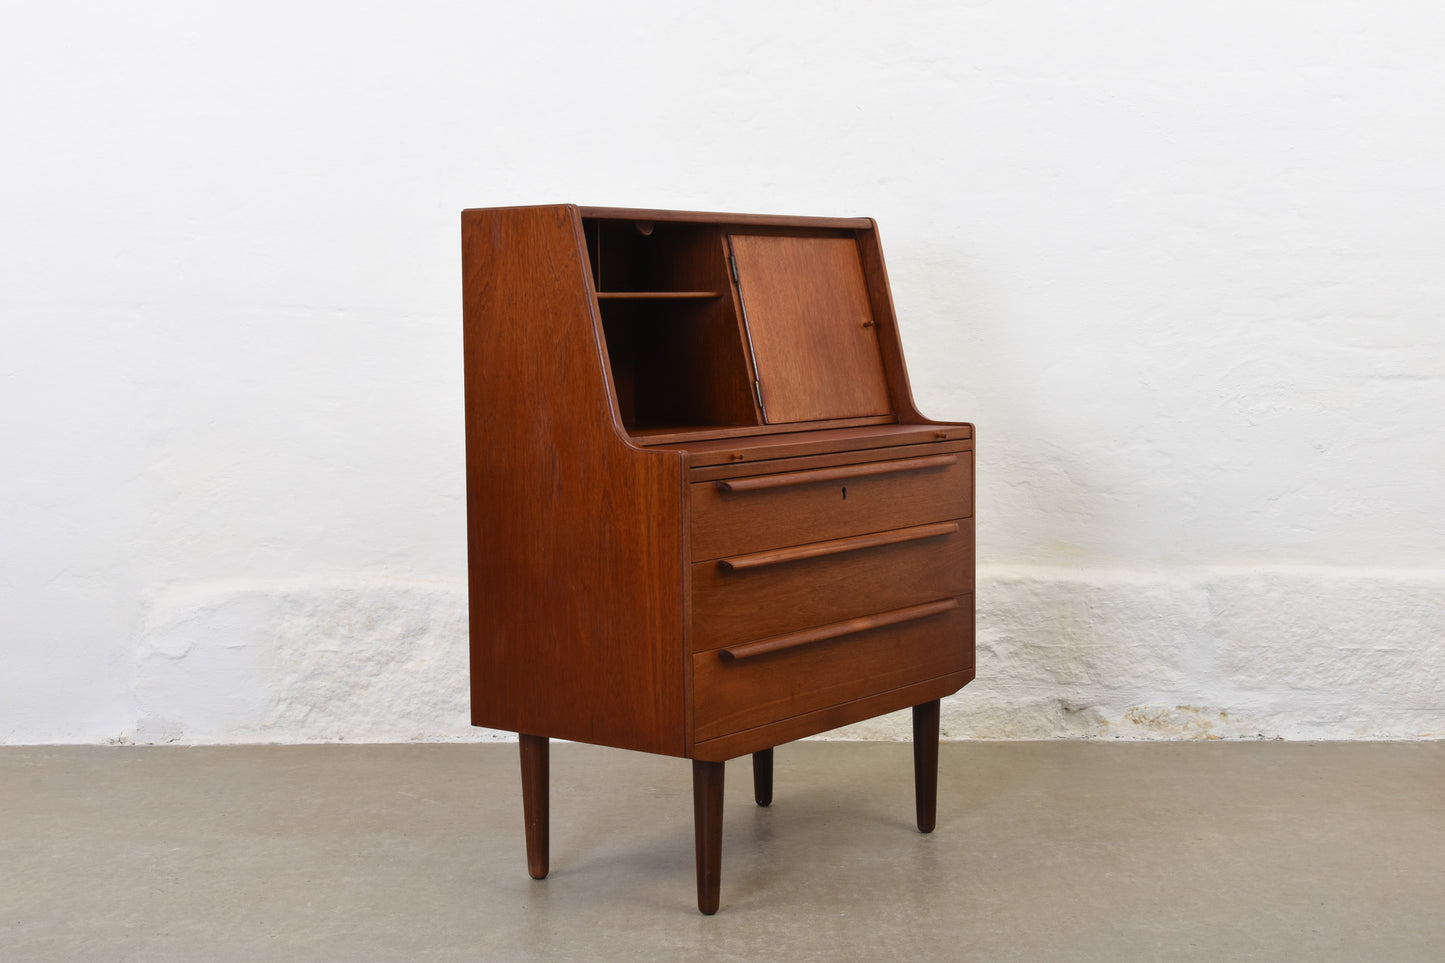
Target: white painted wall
point(1182, 264)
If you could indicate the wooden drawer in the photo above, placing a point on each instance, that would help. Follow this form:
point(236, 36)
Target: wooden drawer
point(742, 598)
point(753, 513)
point(755, 688)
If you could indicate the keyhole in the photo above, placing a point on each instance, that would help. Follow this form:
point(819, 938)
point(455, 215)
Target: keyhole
point(845, 493)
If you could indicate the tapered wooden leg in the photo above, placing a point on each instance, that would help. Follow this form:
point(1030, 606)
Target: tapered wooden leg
point(535, 752)
point(925, 764)
point(707, 807)
point(763, 777)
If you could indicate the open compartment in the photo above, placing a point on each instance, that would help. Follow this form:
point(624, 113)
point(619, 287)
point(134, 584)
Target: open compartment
point(674, 340)
point(722, 329)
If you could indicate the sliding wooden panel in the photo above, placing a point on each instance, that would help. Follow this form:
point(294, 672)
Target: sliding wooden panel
point(811, 326)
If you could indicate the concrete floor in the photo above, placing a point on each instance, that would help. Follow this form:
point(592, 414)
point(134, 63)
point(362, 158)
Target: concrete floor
point(1044, 851)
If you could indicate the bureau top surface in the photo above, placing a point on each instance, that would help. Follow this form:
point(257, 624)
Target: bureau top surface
point(710, 217)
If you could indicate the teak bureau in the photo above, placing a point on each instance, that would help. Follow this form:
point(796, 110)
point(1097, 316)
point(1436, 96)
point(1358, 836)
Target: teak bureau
point(704, 516)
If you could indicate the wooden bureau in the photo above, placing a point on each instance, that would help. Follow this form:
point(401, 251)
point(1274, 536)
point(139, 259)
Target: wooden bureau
point(704, 517)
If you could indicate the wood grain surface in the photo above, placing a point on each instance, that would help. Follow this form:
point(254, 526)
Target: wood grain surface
point(805, 302)
point(574, 536)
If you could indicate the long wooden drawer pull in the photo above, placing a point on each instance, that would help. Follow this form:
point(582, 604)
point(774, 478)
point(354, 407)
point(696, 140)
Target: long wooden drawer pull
point(788, 479)
point(833, 631)
point(836, 546)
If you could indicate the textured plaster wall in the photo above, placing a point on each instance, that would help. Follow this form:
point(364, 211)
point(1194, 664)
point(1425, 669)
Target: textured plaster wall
point(1181, 264)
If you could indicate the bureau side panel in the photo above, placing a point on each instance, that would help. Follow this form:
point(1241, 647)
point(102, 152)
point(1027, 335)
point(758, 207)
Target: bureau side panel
point(574, 536)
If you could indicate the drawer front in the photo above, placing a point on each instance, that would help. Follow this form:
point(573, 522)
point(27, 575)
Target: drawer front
point(745, 598)
point(755, 513)
point(756, 688)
